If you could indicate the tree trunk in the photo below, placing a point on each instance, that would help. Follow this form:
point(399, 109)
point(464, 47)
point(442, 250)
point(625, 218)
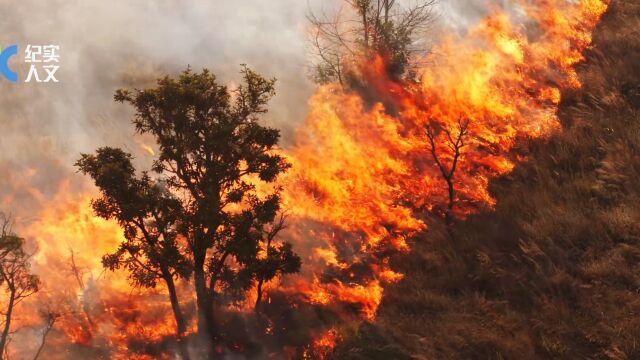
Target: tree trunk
point(386, 11)
point(365, 25)
point(206, 329)
point(258, 296)
point(448, 215)
point(50, 323)
point(7, 323)
point(181, 324)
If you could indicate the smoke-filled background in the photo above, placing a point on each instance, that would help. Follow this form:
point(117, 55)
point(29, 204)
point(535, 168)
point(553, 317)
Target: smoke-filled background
point(109, 45)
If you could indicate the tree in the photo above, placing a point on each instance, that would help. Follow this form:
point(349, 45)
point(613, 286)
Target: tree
point(148, 213)
point(445, 151)
point(275, 260)
point(212, 155)
point(368, 29)
point(15, 277)
point(84, 304)
point(50, 320)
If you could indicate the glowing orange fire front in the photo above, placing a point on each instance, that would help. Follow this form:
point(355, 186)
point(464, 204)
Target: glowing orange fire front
point(364, 168)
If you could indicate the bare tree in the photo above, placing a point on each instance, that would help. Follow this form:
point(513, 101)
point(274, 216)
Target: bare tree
point(15, 278)
point(366, 29)
point(86, 321)
point(50, 319)
point(453, 144)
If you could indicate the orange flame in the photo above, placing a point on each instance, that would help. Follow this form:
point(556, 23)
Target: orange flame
point(322, 345)
point(363, 170)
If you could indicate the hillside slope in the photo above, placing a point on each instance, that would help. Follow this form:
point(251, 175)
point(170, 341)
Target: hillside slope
point(554, 271)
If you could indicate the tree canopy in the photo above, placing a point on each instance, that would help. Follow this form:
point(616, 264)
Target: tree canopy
point(202, 190)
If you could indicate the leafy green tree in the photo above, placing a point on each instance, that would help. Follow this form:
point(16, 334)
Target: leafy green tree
point(212, 154)
point(148, 213)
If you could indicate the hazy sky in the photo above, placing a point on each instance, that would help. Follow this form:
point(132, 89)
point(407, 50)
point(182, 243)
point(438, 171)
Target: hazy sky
point(106, 45)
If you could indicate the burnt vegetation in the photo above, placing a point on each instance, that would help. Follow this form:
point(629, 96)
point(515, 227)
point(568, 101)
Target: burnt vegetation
point(553, 271)
point(454, 144)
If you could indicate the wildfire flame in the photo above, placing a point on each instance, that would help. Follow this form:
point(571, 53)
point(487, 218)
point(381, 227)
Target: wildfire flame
point(322, 345)
point(364, 169)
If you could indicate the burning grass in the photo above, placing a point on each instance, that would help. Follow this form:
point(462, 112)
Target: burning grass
point(553, 271)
